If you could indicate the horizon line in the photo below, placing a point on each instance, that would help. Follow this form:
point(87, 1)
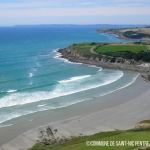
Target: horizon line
point(69, 24)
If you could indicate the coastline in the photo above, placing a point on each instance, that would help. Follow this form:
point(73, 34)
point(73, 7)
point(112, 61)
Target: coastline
point(117, 110)
point(107, 106)
point(119, 36)
point(74, 57)
point(26, 133)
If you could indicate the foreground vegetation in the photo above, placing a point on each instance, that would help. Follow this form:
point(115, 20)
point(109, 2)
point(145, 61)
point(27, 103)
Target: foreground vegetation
point(79, 143)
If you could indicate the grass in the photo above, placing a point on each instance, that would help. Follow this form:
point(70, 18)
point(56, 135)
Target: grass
point(79, 143)
point(84, 48)
point(115, 48)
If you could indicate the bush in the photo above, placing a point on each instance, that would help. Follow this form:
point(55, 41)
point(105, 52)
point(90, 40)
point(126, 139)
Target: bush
point(93, 43)
point(113, 60)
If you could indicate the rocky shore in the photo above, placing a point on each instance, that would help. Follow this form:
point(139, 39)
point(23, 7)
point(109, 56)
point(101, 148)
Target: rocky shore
point(75, 57)
point(143, 124)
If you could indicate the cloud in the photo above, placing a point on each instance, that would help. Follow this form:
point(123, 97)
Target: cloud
point(30, 5)
point(27, 4)
point(98, 11)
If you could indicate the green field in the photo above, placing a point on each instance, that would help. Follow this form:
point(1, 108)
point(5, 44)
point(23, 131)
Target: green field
point(109, 52)
point(115, 48)
point(79, 143)
point(84, 48)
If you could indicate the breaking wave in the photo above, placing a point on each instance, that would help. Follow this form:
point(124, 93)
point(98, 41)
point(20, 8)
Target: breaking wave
point(74, 79)
point(65, 87)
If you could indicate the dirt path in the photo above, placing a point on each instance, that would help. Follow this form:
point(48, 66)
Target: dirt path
point(93, 51)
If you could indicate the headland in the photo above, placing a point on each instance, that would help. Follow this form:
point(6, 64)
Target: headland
point(113, 56)
point(140, 34)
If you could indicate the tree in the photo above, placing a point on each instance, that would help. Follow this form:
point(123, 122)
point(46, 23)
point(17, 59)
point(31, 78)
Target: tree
point(93, 43)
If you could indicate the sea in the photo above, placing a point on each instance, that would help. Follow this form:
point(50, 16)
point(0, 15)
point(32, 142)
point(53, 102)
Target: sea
point(34, 78)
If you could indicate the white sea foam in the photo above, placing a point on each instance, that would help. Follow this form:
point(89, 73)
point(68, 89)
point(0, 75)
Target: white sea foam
point(56, 50)
point(96, 67)
point(33, 69)
point(15, 114)
point(121, 87)
point(62, 89)
point(11, 91)
point(30, 75)
point(41, 105)
point(31, 83)
point(100, 69)
point(2, 126)
point(38, 64)
point(93, 66)
point(74, 79)
point(61, 104)
point(59, 56)
point(65, 104)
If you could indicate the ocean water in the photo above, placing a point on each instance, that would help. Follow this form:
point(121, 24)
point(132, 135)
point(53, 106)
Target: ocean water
point(33, 78)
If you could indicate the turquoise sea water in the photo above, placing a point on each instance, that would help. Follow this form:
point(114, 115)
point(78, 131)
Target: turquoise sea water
point(33, 78)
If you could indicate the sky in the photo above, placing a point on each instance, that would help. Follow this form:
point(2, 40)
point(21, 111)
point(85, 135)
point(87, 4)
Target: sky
point(32, 12)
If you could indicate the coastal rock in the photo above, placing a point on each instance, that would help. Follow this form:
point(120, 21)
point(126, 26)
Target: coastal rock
point(97, 59)
point(51, 135)
point(92, 58)
point(148, 77)
point(143, 124)
point(120, 64)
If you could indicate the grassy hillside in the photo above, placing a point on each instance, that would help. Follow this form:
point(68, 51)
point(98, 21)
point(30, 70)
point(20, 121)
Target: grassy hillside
point(130, 52)
point(79, 143)
point(84, 49)
point(112, 52)
point(115, 48)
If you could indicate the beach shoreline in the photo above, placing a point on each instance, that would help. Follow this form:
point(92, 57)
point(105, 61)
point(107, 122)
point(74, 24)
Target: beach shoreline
point(100, 104)
point(11, 134)
point(107, 107)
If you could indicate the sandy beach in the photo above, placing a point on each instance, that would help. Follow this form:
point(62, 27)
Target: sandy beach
point(119, 110)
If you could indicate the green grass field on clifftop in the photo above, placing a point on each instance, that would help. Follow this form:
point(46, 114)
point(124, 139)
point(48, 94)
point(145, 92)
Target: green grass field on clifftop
point(115, 48)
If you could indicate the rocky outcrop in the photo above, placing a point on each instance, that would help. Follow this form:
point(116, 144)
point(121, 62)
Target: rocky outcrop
point(146, 78)
point(143, 124)
point(73, 56)
point(51, 136)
